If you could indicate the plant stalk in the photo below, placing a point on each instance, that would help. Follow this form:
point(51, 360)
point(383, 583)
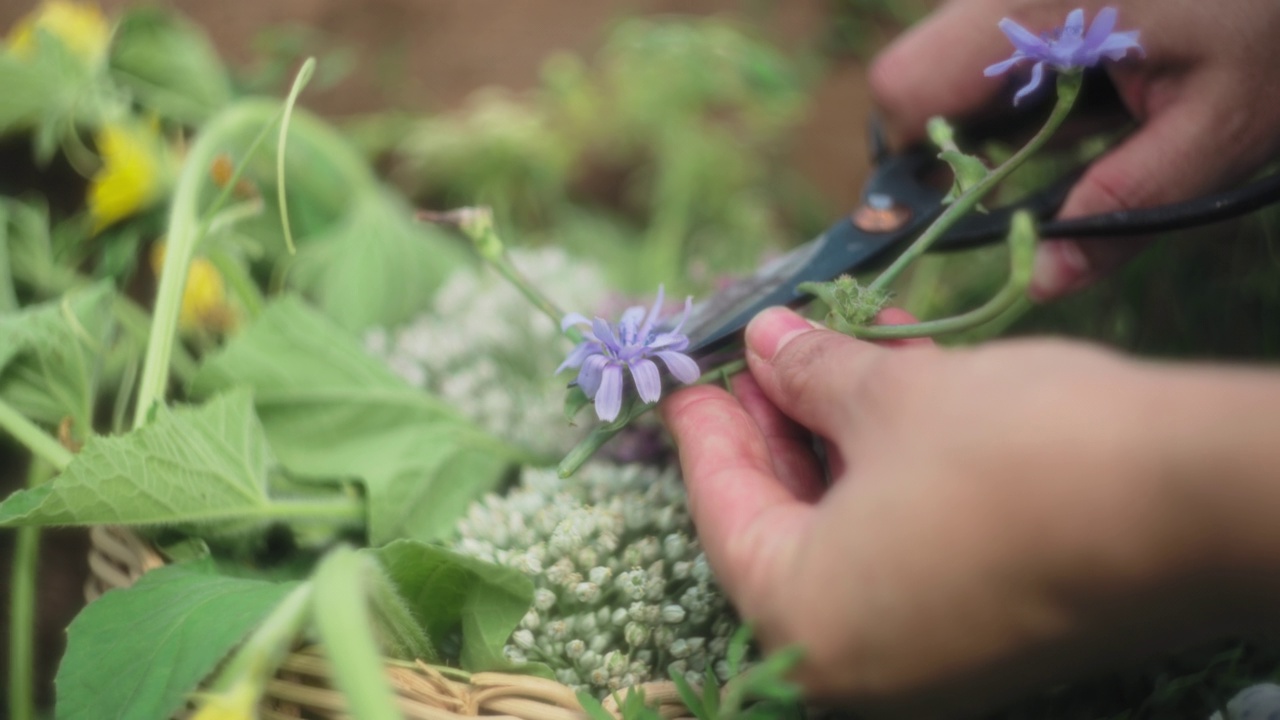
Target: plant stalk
point(1068, 90)
point(41, 444)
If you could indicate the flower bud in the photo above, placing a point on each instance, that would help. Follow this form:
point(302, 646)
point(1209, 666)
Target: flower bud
point(636, 634)
point(557, 630)
point(574, 649)
point(600, 575)
point(587, 557)
point(681, 570)
point(722, 670)
point(514, 655)
point(587, 593)
point(523, 639)
point(590, 660)
point(601, 642)
point(619, 617)
point(679, 648)
point(568, 676)
point(674, 546)
point(672, 614)
point(615, 662)
point(663, 636)
point(543, 599)
point(531, 619)
point(701, 570)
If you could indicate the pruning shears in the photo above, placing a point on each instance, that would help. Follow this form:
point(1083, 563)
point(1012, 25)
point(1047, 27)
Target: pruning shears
point(897, 204)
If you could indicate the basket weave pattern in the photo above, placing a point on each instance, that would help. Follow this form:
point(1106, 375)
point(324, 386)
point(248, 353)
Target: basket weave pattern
point(301, 689)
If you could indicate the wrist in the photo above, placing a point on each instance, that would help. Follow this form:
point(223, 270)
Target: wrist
point(1213, 449)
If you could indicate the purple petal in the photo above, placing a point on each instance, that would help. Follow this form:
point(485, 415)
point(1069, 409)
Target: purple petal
point(1037, 74)
point(648, 382)
point(669, 341)
point(1004, 65)
point(682, 367)
point(629, 325)
point(652, 317)
point(604, 334)
point(1118, 44)
point(1023, 39)
point(576, 356)
point(609, 396)
point(589, 375)
point(1074, 27)
point(573, 319)
point(688, 308)
point(1103, 23)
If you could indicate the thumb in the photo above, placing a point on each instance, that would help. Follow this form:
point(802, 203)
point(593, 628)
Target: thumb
point(1181, 152)
point(811, 374)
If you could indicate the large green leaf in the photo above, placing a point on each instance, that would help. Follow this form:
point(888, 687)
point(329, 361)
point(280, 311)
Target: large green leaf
point(449, 593)
point(329, 410)
point(139, 652)
point(169, 64)
point(376, 266)
point(200, 464)
point(49, 356)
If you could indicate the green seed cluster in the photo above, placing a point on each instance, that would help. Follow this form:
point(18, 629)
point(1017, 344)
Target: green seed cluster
point(624, 593)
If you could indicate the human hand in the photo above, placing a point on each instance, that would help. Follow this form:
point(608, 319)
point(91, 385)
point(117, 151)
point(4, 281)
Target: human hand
point(1203, 96)
point(997, 518)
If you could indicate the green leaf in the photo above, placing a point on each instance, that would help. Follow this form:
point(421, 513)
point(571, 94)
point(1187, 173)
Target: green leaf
point(449, 592)
point(169, 64)
point(592, 706)
point(376, 266)
point(139, 652)
point(195, 464)
point(31, 91)
point(330, 409)
point(341, 612)
point(689, 696)
point(50, 354)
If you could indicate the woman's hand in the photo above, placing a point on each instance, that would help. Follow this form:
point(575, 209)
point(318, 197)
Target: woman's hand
point(996, 518)
point(1205, 95)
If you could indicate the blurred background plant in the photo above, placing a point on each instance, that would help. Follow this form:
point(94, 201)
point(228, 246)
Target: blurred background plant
point(662, 149)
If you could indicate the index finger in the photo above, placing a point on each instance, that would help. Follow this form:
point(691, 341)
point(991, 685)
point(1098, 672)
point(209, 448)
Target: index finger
point(748, 521)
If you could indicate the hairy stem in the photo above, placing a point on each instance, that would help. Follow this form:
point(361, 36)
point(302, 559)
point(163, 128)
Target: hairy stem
point(40, 443)
point(22, 612)
point(1068, 90)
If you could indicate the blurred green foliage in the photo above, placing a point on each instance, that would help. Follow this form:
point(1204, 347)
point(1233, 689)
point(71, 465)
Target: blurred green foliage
point(662, 156)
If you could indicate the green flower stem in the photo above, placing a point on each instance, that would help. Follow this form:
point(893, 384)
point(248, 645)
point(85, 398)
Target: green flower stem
point(136, 322)
point(339, 508)
point(347, 633)
point(8, 296)
point(1068, 90)
point(1022, 253)
point(22, 611)
point(40, 443)
point(187, 226)
point(477, 224)
point(403, 636)
point(591, 444)
point(261, 654)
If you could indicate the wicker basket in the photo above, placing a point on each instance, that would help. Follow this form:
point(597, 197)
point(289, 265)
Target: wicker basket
point(301, 689)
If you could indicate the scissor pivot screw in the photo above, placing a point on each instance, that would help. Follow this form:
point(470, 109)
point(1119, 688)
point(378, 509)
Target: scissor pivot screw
point(879, 213)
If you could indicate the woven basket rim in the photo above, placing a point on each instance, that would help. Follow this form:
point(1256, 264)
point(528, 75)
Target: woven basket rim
point(118, 557)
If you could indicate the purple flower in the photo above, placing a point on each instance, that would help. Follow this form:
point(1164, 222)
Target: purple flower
point(1067, 48)
point(632, 343)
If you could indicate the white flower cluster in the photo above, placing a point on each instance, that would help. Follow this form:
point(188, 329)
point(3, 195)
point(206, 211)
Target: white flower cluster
point(485, 349)
point(624, 594)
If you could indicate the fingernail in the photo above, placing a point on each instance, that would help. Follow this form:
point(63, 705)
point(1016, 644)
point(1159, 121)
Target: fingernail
point(1059, 266)
point(771, 330)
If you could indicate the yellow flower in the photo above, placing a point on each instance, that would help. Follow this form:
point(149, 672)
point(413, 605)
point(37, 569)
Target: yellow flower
point(238, 703)
point(205, 305)
point(130, 177)
point(81, 27)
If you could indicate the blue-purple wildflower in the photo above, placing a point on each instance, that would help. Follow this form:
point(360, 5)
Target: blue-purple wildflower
point(1067, 48)
point(632, 343)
